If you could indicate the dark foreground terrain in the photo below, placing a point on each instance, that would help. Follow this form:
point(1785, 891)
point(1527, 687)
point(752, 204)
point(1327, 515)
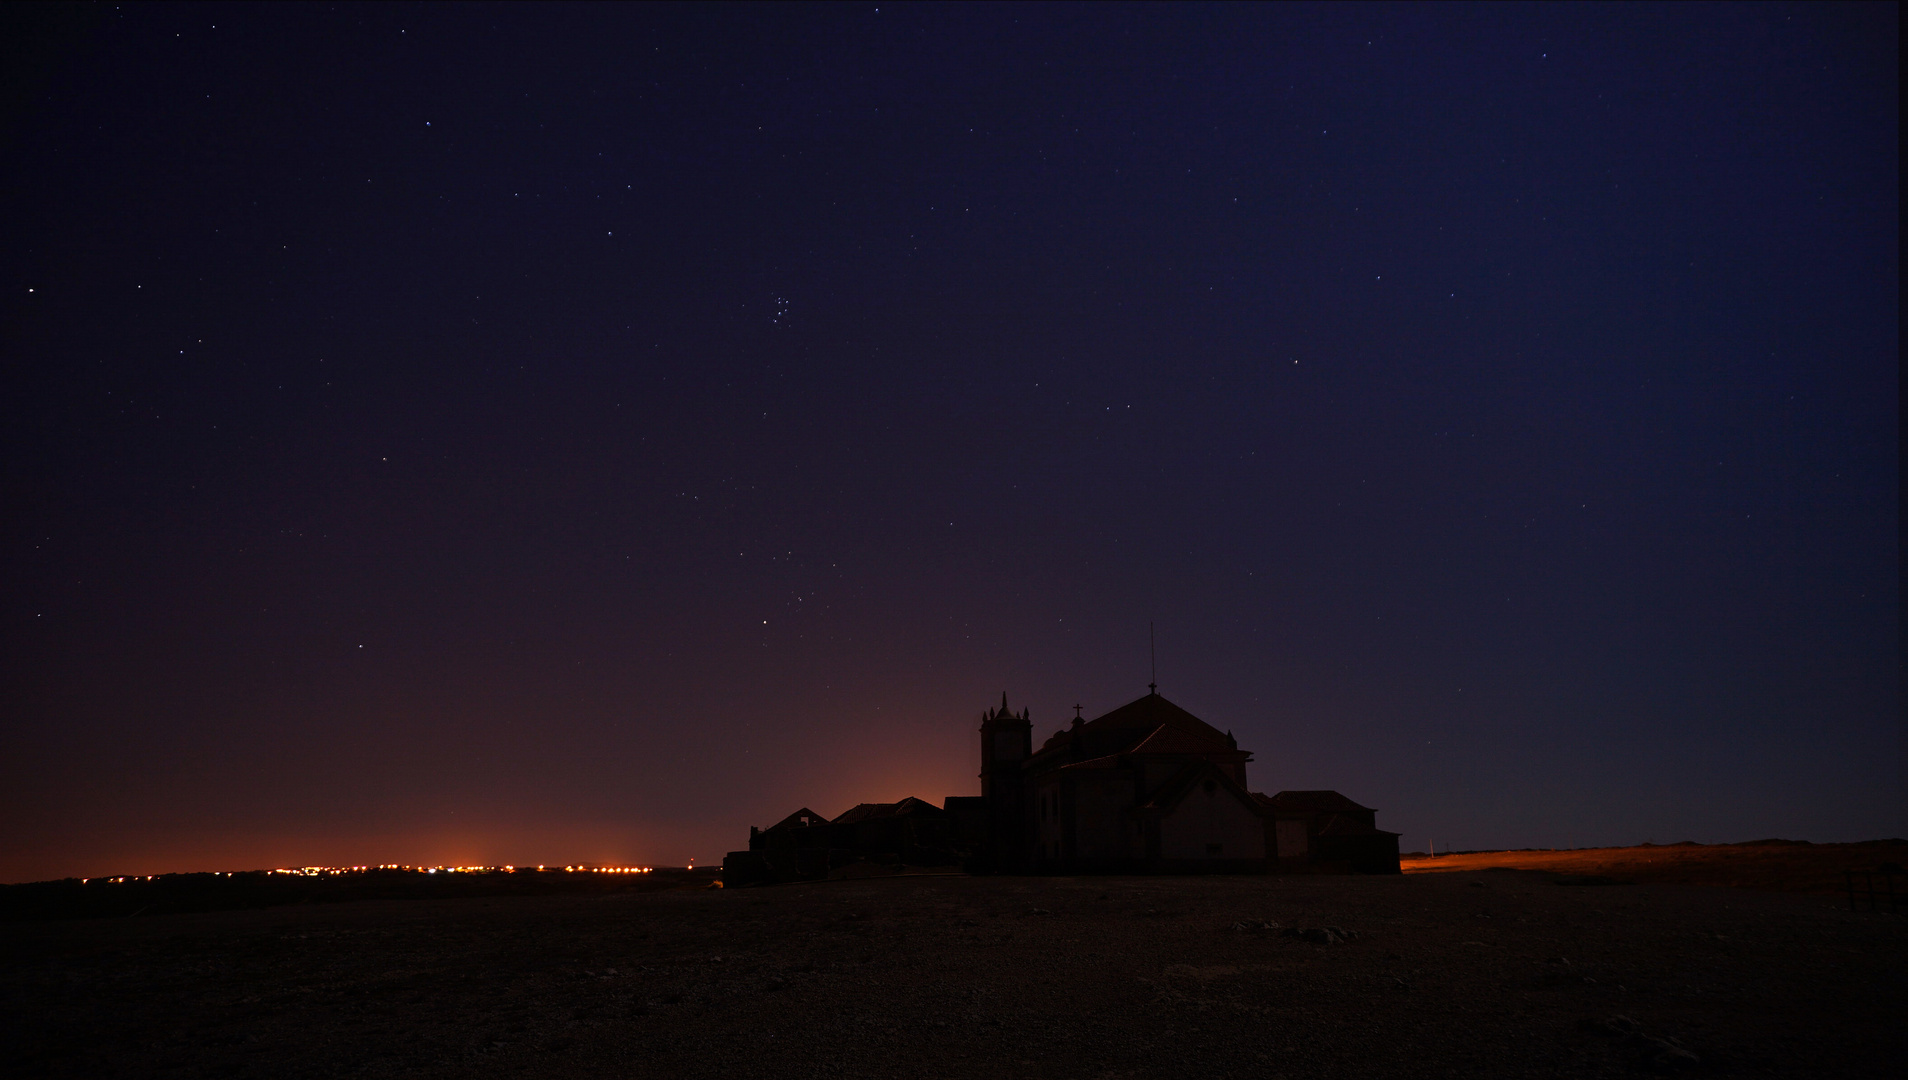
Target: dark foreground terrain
point(1489, 973)
point(1777, 865)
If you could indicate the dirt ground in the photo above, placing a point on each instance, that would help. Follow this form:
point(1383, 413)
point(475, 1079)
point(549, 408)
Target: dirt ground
point(1484, 973)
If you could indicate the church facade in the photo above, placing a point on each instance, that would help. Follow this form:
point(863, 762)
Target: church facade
point(1146, 788)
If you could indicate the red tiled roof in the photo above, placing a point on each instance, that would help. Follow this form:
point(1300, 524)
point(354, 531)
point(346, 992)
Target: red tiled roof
point(794, 820)
point(870, 810)
point(1313, 802)
point(1170, 740)
point(1124, 727)
point(1150, 712)
point(1107, 762)
point(864, 811)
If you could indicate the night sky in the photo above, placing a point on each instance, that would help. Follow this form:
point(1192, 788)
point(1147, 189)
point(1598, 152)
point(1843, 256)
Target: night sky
point(535, 434)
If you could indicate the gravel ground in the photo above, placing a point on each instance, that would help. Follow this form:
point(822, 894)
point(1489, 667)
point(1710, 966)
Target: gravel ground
point(1492, 973)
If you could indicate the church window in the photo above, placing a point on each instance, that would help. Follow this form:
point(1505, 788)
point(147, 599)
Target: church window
point(1212, 786)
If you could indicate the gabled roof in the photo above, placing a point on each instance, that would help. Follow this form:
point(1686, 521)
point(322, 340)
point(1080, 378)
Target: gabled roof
point(912, 805)
point(794, 820)
point(1170, 740)
point(869, 811)
point(1169, 794)
point(1125, 727)
point(1314, 802)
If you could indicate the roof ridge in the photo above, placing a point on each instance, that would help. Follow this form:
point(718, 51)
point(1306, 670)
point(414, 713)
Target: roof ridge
point(1180, 783)
point(1161, 740)
point(1152, 711)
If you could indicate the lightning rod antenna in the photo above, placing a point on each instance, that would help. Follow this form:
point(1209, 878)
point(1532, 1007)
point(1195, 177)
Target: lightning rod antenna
point(1152, 651)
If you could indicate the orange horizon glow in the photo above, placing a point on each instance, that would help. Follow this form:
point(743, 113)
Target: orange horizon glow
point(326, 871)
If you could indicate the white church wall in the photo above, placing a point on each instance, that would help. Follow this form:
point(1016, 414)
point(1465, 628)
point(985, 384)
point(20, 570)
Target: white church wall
point(1211, 817)
point(1292, 842)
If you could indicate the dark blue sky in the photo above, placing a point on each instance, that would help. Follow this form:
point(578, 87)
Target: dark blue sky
point(577, 433)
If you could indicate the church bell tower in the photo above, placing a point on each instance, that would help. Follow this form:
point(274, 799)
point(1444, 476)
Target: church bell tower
point(1006, 744)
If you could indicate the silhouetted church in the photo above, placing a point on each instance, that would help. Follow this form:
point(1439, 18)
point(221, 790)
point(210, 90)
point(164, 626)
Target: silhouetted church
point(1147, 788)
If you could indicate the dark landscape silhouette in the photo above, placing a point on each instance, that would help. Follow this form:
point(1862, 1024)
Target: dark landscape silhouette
point(1146, 788)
